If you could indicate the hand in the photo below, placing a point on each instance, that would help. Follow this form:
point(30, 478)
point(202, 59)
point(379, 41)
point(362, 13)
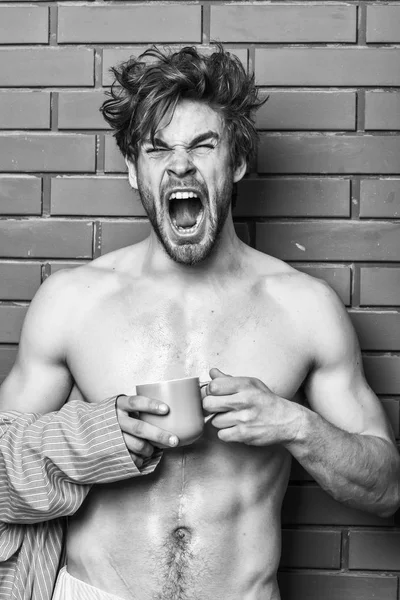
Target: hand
point(140, 437)
point(249, 412)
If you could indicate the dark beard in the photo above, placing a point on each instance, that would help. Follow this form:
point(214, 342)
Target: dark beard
point(188, 254)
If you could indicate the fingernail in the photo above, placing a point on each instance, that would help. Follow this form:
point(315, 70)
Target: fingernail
point(163, 408)
point(173, 440)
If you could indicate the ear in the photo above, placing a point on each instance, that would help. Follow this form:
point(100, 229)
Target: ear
point(132, 175)
point(239, 170)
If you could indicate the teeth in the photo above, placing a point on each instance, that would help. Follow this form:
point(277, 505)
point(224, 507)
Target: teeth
point(182, 195)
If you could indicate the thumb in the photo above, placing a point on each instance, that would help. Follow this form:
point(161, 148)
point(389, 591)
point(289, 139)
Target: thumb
point(214, 373)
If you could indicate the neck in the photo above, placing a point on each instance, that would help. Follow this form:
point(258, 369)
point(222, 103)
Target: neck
point(225, 259)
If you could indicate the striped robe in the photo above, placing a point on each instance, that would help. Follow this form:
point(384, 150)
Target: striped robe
point(48, 464)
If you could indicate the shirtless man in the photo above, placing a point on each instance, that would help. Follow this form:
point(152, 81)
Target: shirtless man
point(193, 300)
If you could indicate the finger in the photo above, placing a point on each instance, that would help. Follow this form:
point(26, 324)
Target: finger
point(214, 372)
point(225, 419)
point(146, 431)
point(142, 404)
point(221, 404)
point(138, 446)
point(227, 385)
point(231, 434)
point(137, 460)
point(217, 404)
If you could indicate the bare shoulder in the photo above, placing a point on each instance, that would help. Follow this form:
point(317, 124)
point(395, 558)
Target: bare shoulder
point(50, 313)
point(65, 295)
point(314, 310)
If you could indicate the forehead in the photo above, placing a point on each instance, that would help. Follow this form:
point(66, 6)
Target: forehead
point(189, 120)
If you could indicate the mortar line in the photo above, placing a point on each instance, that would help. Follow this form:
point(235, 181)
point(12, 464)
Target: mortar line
point(53, 22)
point(206, 24)
point(97, 238)
point(46, 190)
point(45, 271)
point(360, 104)
point(362, 24)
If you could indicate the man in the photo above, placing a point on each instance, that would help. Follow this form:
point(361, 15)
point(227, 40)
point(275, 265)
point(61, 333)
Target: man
point(191, 300)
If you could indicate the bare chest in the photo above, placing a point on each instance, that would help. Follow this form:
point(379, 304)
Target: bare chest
point(121, 343)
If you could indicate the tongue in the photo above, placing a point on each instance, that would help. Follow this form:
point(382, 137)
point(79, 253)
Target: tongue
point(185, 211)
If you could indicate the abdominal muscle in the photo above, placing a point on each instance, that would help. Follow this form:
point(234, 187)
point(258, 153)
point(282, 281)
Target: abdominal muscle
point(205, 524)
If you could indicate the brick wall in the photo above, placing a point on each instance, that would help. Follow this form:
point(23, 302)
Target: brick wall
point(323, 194)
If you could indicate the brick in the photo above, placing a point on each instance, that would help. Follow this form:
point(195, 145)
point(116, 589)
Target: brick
point(114, 161)
point(380, 198)
point(41, 238)
point(7, 359)
point(21, 67)
point(283, 23)
point(380, 286)
point(290, 110)
point(382, 110)
point(391, 408)
point(329, 240)
point(108, 196)
point(383, 373)
point(383, 23)
point(242, 231)
point(119, 234)
point(310, 549)
point(309, 505)
point(59, 266)
point(377, 550)
point(336, 154)
point(324, 586)
point(298, 473)
point(20, 195)
point(11, 319)
point(24, 110)
point(127, 24)
point(116, 56)
point(378, 330)
point(80, 110)
point(19, 281)
point(327, 66)
point(338, 277)
point(47, 152)
point(24, 25)
point(306, 197)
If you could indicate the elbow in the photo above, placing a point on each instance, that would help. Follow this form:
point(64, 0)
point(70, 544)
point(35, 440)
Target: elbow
point(389, 503)
point(387, 511)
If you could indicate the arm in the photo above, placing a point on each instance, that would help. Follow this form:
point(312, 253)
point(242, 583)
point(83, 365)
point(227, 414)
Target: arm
point(344, 439)
point(51, 453)
point(48, 462)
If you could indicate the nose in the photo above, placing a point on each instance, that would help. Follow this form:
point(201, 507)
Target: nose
point(180, 163)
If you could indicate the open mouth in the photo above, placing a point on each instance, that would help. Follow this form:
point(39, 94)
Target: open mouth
point(186, 211)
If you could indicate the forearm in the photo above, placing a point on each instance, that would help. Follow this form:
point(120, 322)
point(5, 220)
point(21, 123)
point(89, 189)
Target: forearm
point(48, 462)
point(362, 471)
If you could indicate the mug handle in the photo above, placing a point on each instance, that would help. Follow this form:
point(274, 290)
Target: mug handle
point(210, 416)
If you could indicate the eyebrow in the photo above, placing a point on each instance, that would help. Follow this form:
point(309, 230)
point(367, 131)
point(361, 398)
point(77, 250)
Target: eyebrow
point(202, 137)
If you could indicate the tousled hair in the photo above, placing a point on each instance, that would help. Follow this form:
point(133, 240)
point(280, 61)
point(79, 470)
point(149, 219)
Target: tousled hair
point(148, 88)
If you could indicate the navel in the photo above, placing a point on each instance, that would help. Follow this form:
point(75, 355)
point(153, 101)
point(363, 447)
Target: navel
point(182, 535)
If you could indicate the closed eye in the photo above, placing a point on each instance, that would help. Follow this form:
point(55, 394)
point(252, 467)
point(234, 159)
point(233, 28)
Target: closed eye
point(151, 150)
point(202, 148)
